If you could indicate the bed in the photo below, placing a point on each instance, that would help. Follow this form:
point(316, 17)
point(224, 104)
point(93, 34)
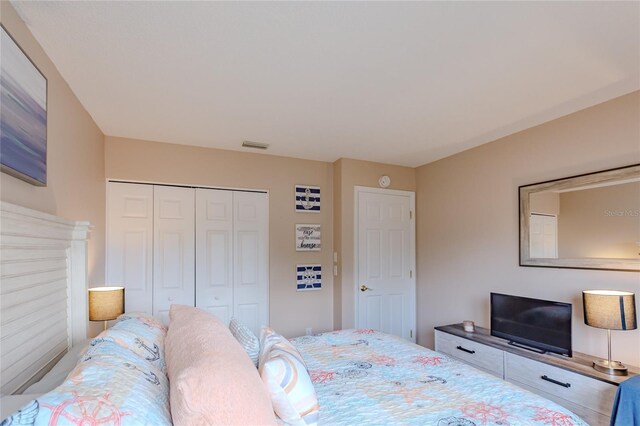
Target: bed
point(359, 376)
point(122, 377)
point(367, 377)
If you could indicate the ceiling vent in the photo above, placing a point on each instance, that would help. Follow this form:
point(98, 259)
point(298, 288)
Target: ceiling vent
point(255, 145)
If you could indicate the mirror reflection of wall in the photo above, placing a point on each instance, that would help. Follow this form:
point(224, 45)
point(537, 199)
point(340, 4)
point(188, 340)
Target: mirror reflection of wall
point(600, 222)
point(595, 222)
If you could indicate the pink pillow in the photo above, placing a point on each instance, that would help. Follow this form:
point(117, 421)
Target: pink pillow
point(212, 379)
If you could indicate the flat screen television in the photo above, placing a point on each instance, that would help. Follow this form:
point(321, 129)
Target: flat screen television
point(542, 325)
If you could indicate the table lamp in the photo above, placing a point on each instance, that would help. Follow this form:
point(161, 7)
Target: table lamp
point(105, 303)
point(612, 310)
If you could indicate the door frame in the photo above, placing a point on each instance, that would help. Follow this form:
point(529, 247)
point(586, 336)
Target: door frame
point(556, 231)
point(357, 190)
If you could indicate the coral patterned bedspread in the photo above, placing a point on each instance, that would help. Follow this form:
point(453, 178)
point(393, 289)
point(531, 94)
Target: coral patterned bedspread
point(367, 377)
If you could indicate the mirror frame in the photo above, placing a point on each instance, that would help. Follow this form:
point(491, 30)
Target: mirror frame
point(620, 173)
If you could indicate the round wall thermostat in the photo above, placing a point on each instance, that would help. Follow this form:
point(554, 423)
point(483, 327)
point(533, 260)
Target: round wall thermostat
point(384, 181)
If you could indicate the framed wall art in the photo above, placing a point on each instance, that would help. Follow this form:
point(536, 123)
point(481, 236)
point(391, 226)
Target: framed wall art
point(23, 117)
point(309, 277)
point(308, 237)
point(307, 199)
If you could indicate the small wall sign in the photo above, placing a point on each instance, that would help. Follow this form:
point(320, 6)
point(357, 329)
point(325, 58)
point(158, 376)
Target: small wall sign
point(308, 237)
point(307, 199)
point(309, 277)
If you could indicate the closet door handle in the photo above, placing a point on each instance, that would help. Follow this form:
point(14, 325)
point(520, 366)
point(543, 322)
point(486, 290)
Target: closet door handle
point(555, 382)
point(469, 351)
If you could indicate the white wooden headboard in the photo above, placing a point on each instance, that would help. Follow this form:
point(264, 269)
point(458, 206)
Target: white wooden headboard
point(43, 291)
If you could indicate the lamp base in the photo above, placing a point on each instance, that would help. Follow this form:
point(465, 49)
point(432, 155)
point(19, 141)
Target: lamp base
point(612, 368)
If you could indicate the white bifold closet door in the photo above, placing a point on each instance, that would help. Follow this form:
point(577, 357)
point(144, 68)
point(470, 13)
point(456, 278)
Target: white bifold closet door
point(130, 243)
point(173, 248)
point(199, 247)
point(232, 255)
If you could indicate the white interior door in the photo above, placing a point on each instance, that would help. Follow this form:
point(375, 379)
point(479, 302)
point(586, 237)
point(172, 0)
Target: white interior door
point(543, 236)
point(214, 252)
point(174, 249)
point(251, 259)
point(385, 252)
point(130, 243)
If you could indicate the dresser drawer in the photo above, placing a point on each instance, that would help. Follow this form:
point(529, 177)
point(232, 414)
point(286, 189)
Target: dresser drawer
point(576, 388)
point(484, 357)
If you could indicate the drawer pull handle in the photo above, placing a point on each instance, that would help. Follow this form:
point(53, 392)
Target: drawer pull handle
point(469, 351)
point(555, 382)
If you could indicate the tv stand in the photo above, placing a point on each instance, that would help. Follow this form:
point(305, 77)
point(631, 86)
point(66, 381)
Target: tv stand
point(529, 348)
point(571, 382)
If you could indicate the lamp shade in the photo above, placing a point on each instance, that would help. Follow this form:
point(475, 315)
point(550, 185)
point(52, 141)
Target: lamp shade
point(613, 310)
point(105, 303)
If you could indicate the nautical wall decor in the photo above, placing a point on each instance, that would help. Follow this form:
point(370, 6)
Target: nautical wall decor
point(309, 277)
point(308, 237)
point(307, 199)
point(23, 116)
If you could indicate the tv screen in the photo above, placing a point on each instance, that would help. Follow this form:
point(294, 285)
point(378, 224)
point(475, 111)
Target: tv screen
point(540, 324)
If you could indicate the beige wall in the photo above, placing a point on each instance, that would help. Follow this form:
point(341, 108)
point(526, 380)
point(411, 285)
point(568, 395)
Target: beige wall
point(467, 208)
point(290, 311)
point(545, 202)
point(349, 173)
point(75, 154)
point(467, 219)
point(600, 222)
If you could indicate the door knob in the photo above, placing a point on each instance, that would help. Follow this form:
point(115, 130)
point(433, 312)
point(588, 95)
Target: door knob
point(365, 288)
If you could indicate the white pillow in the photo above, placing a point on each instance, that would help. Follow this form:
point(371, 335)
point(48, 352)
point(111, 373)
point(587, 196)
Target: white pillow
point(246, 338)
point(285, 375)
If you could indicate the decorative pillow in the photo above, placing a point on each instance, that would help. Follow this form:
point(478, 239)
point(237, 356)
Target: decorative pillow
point(139, 317)
point(141, 345)
point(212, 380)
point(246, 338)
point(110, 385)
point(107, 349)
point(285, 374)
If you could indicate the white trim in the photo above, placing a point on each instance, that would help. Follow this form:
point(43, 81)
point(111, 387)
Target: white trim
point(357, 190)
point(185, 185)
point(78, 282)
point(25, 235)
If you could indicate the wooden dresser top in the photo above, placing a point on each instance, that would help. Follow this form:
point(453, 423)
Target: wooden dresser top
point(579, 363)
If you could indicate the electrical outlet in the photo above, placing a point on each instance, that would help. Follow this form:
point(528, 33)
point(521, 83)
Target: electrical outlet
point(309, 331)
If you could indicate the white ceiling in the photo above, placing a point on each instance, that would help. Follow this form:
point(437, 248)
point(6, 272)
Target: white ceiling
point(400, 83)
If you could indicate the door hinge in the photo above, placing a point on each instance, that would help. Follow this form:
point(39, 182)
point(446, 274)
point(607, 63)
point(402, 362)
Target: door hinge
point(410, 214)
point(410, 273)
point(411, 333)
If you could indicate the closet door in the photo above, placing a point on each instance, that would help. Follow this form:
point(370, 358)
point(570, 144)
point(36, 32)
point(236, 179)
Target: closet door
point(214, 255)
point(251, 259)
point(130, 243)
point(174, 247)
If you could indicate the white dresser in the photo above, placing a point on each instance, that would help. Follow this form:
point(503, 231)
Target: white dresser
point(570, 382)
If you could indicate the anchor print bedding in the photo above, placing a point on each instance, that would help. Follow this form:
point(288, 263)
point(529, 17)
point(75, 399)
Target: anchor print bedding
point(120, 379)
point(366, 377)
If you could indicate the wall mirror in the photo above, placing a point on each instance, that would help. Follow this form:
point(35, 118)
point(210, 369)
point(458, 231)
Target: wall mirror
point(590, 221)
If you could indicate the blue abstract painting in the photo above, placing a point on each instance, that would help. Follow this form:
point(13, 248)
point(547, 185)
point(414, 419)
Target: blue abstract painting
point(23, 115)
